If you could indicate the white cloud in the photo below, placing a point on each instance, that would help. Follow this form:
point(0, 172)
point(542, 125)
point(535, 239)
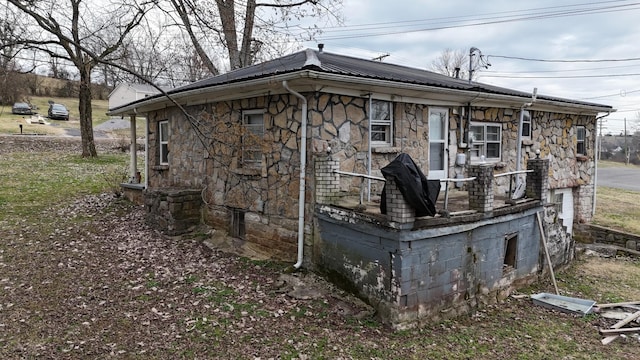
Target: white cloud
point(603, 34)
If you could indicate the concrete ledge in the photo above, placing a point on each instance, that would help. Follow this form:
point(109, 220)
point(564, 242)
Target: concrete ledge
point(133, 192)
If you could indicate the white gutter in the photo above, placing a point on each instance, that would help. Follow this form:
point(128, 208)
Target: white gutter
point(458, 96)
point(303, 170)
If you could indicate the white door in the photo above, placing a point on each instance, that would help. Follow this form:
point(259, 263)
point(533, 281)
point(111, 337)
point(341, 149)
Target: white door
point(438, 130)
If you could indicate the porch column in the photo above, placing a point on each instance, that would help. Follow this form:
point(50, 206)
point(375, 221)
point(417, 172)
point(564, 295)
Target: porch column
point(481, 189)
point(133, 178)
point(538, 180)
point(401, 215)
point(327, 180)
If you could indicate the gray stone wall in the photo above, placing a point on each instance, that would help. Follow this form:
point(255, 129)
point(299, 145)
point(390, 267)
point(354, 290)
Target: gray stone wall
point(594, 234)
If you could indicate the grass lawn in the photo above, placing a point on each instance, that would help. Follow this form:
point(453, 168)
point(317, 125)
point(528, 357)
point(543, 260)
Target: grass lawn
point(10, 123)
point(617, 208)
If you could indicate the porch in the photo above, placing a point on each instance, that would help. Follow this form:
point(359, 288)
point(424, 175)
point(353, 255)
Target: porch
point(414, 268)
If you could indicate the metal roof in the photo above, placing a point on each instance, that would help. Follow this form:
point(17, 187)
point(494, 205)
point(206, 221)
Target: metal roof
point(357, 68)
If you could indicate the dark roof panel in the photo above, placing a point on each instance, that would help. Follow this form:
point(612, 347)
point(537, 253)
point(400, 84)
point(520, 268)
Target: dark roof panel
point(358, 68)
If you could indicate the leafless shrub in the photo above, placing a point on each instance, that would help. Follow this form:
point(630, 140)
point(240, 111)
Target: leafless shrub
point(114, 177)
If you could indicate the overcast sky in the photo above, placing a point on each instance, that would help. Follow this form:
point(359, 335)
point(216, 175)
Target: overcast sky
point(415, 32)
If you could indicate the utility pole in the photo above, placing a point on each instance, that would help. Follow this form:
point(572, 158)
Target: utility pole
point(600, 142)
point(627, 153)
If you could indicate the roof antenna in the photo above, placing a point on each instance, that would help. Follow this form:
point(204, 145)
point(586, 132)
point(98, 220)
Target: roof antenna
point(381, 57)
point(320, 47)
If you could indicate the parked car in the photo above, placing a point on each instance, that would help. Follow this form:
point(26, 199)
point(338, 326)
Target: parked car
point(58, 111)
point(21, 108)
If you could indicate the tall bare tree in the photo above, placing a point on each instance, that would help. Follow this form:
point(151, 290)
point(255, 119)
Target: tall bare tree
point(84, 33)
point(452, 63)
point(249, 30)
point(11, 89)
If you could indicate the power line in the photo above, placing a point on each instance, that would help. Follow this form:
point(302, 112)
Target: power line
point(482, 21)
point(564, 61)
point(560, 77)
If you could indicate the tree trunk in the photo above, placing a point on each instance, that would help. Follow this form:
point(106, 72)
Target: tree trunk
point(182, 10)
point(226, 9)
point(246, 52)
point(86, 120)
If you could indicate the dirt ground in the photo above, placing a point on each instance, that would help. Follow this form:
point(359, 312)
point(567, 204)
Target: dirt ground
point(89, 279)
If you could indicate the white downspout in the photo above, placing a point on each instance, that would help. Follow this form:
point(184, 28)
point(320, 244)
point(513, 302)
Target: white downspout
point(303, 171)
point(369, 151)
point(519, 145)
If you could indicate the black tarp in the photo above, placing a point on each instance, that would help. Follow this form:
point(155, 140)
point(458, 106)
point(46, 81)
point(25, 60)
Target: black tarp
point(419, 192)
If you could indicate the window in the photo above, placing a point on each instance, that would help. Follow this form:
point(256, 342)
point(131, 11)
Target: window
point(526, 124)
point(163, 142)
point(581, 148)
point(510, 252)
point(252, 136)
point(558, 198)
point(485, 139)
point(237, 224)
point(381, 123)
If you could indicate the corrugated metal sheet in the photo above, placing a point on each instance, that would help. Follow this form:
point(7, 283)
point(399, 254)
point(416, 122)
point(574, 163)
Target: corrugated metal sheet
point(358, 68)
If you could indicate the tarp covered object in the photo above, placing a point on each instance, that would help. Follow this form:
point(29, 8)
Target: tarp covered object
point(419, 192)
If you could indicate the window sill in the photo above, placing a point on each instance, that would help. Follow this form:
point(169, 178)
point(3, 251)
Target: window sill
point(385, 150)
point(160, 167)
point(582, 158)
point(495, 162)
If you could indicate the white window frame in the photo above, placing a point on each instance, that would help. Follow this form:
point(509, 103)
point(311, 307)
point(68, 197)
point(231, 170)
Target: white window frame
point(257, 130)
point(479, 144)
point(581, 130)
point(163, 142)
point(381, 125)
point(527, 123)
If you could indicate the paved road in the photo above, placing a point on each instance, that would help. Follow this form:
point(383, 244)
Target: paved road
point(623, 177)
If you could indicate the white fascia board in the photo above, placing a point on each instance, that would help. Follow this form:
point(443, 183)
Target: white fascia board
point(353, 86)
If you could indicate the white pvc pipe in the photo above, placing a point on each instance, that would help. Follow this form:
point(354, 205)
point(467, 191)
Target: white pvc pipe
point(369, 151)
point(303, 170)
point(133, 148)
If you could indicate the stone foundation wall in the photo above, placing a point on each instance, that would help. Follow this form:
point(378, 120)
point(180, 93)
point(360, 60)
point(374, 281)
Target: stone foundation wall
point(594, 234)
point(173, 211)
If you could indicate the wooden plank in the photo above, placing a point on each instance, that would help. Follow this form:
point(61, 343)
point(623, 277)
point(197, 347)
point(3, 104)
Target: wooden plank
point(543, 238)
point(618, 325)
point(619, 331)
point(602, 306)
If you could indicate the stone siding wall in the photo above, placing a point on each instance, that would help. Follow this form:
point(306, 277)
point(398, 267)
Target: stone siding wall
point(208, 158)
point(555, 136)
